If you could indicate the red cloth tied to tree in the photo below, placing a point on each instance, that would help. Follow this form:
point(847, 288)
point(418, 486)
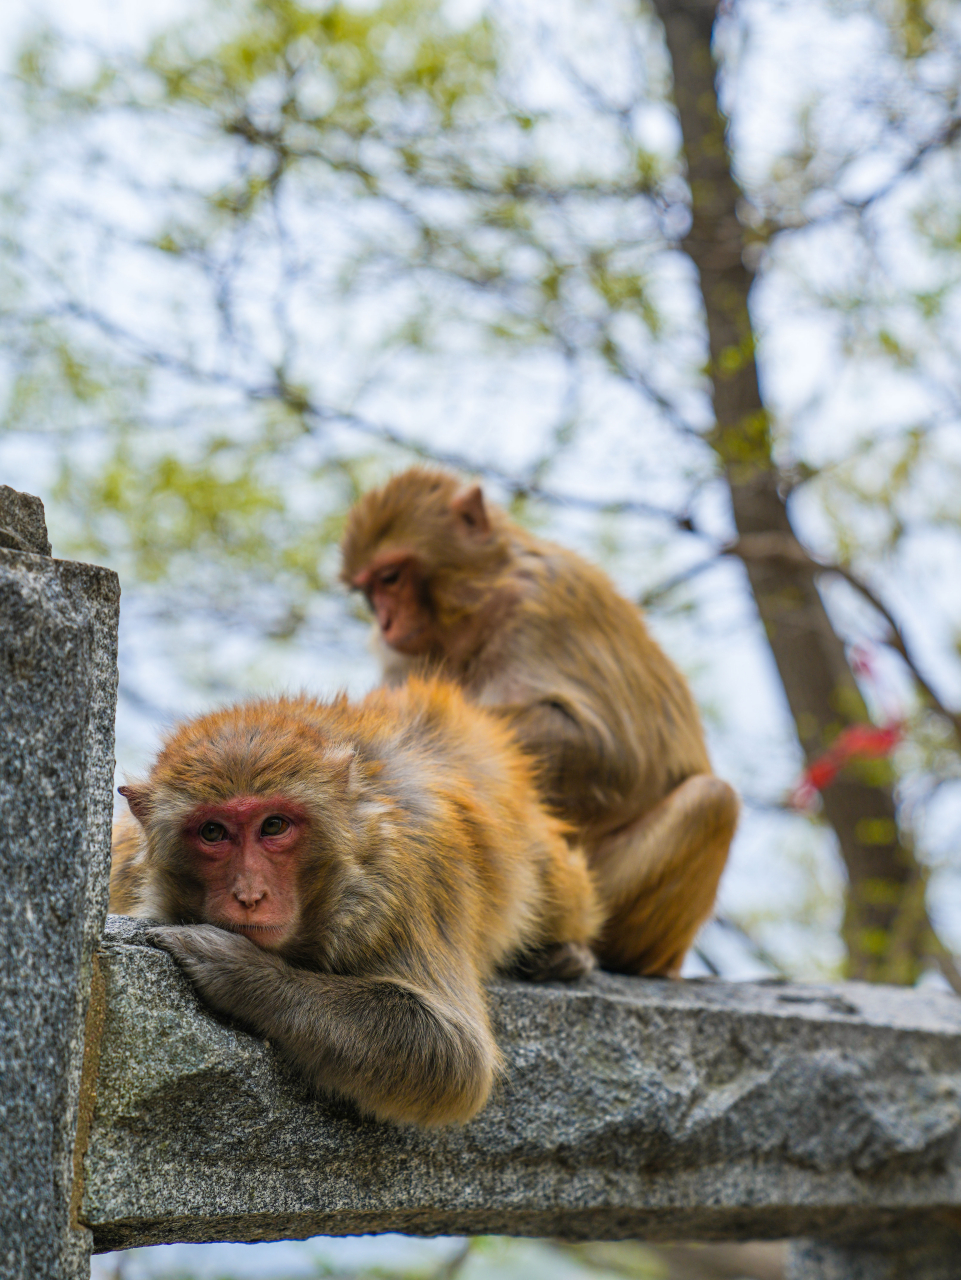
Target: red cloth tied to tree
point(856, 742)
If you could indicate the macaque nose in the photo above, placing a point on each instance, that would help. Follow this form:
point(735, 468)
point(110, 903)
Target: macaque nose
point(249, 897)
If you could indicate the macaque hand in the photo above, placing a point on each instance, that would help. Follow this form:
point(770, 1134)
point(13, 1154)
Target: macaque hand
point(231, 973)
point(557, 962)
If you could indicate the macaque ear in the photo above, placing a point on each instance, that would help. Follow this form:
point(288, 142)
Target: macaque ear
point(138, 799)
point(469, 506)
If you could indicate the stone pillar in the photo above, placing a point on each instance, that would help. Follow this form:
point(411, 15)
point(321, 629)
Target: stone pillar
point(894, 1254)
point(58, 685)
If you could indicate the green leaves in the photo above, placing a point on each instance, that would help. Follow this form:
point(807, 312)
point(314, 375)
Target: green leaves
point(912, 25)
point(276, 165)
point(170, 506)
point(333, 67)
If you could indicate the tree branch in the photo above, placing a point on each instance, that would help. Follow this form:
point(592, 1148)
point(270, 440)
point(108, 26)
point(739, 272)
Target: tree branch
point(943, 138)
point(784, 546)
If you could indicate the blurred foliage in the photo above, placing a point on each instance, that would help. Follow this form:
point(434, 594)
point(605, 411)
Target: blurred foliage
point(248, 269)
point(500, 1258)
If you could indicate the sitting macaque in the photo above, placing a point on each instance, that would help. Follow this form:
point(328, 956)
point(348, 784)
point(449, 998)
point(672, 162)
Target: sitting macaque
point(535, 633)
point(342, 878)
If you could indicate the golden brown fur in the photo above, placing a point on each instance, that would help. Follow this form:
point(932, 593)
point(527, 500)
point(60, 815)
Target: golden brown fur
point(534, 632)
point(427, 864)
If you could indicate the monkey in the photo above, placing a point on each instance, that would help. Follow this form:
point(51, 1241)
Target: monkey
point(535, 633)
point(343, 878)
point(128, 873)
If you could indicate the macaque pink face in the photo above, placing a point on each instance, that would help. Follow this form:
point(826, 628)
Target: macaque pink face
point(394, 586)
point(245, 853)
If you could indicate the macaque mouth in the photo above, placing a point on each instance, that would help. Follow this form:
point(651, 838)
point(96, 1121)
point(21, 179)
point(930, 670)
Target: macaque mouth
point(231, 927)
point(412, 633)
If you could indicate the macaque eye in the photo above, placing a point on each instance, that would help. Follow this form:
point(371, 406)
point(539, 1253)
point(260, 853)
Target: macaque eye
point(389, 577)
point(212, 832)
point(274, 826)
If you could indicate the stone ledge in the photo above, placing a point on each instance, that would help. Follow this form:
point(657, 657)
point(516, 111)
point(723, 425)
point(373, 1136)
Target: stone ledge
point(58, 693)
point(22, 523)
point(697, 1110)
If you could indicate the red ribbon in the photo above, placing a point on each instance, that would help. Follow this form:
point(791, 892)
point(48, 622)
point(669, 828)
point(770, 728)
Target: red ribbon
point(856, 742)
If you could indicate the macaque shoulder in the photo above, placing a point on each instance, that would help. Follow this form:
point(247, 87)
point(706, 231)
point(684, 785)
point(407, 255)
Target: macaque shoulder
point(569, 621)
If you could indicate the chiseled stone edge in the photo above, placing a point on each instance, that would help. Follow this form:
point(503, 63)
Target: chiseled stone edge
point(23, 526)
point(666, 1110)
point(58, 637)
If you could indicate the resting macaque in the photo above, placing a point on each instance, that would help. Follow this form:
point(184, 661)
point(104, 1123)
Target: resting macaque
point(540, 636)
point(342, 878)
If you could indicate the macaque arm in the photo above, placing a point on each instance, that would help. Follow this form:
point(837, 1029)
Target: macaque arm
point(658, 877)
point(402, 1052)
point(580, 774)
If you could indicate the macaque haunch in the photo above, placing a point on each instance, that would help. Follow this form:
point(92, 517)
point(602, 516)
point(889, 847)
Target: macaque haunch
point(533, 632)
point(343, 877)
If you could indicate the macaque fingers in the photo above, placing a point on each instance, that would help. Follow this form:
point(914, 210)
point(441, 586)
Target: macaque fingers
point(558, 962)
point(658, 877)
point(230, 972)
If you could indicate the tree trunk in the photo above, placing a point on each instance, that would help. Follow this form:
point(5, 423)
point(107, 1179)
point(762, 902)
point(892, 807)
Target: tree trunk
point(885, 928)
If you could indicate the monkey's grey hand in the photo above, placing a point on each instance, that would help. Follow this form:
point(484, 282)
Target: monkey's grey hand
point(231, 973)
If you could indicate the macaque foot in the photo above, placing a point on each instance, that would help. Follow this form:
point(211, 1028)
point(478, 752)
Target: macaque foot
point(559, 962)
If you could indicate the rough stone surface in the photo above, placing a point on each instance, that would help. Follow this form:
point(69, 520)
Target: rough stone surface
point(661, 1110)
point(22, 523)
point(58, 677)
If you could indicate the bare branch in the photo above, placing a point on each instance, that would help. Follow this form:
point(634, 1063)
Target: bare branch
point(784, 546)
point(759, 951)
point(655, 594)
point(899, 643)
point(517, 486)
point(455, 1264)
point(944, 137)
